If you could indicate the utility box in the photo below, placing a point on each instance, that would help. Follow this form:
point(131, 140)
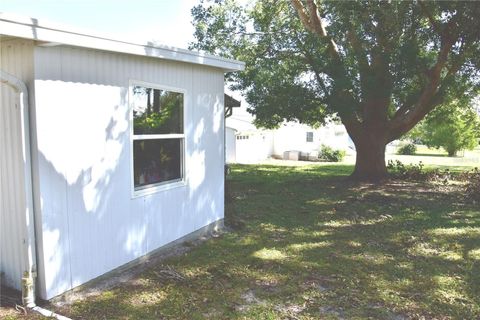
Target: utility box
point(291, 155)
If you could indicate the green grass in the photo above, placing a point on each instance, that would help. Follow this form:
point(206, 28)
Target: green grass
point(439, 158)
point(311, 245)
point(424, 150)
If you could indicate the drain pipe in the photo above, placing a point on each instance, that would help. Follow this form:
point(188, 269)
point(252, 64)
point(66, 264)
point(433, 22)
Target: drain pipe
point(29, 254)
point(29, 263)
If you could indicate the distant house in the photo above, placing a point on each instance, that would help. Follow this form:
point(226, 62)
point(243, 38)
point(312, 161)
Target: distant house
point(308, 141)
point(109, 151)
point(247, 144)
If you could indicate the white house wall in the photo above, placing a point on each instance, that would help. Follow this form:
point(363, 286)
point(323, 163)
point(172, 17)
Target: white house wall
point(293, 136)
point(254, 147)
point(335, 136)
point(16, 58)
point(90, 222)
point(230, 145)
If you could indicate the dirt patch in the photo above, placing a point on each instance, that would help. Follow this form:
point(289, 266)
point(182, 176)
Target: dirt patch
point(249, 299)
point(291, 311)
point(331, 311)
point(11, 306)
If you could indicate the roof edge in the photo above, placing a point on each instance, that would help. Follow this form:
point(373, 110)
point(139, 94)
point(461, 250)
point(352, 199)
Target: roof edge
point(31, 28)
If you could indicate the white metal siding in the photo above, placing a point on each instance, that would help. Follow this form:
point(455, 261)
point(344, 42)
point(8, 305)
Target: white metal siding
point(90, 223)
point(12, 202)
point(15, 58)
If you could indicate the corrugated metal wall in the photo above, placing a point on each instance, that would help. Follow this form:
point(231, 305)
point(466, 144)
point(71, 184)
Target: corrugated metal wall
point(15, 58)
point(12, 203)
point(90, 223)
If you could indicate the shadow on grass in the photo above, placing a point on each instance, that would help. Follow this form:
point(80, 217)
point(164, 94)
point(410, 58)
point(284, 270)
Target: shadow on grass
point(314, 245)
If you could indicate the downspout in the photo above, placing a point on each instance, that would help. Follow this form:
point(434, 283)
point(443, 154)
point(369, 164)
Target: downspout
point(29, 260)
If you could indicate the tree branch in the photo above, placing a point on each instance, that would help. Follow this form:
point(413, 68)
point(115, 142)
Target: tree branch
point(435, 25)
point(315, 19)
point(354, 128)
point(311, 61)
point(402, 123)
point(320, 81)
point(297, 4)
point(359, 52)
point(311, 20)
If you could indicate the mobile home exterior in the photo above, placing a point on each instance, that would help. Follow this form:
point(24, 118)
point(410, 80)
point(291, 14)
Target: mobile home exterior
point(127, 151)
point(248, 144)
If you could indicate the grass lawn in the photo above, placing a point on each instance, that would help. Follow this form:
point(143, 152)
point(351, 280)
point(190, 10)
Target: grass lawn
point(440, 158)
point(433, 158)
point(310, 245)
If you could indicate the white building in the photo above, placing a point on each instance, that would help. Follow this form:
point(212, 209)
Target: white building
point(308, 141)
point(247, 144)
point(109, 150)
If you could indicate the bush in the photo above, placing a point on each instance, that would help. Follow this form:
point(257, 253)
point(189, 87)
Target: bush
point(470, 179)
point(331, 155)
point(416, 172)
point(408, 149)
point(409, 172)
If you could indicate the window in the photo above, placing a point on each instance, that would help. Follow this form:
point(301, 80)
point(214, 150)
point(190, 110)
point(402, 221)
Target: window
point(309, 136)
point(157, 137)
point(242, 137)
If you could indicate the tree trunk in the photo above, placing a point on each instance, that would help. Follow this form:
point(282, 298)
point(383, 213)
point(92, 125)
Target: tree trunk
point(156, 101)
point(452, 153)
point(370, 161)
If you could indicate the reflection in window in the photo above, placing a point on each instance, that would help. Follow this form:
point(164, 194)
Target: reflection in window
point(156, 161)
point(157, 111)
point(158, 136)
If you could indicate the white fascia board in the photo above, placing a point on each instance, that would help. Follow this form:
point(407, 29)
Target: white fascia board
point(30, 28)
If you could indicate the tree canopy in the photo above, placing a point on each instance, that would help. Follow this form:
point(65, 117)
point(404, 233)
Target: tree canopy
point(380, 66)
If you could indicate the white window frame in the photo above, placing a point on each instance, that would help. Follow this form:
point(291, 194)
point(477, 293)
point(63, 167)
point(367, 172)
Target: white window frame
point(165, 185)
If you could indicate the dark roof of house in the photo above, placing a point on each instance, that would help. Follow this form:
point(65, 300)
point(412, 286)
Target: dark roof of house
point(231, 102)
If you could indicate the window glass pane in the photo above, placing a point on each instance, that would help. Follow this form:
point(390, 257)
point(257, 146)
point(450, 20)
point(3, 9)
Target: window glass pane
point(156, 161)
point(309, 136)
point(156, 111)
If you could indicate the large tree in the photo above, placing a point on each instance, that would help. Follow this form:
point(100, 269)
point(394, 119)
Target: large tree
point(379, 66)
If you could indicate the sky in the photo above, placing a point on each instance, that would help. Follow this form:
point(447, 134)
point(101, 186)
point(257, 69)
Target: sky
point(164, 21)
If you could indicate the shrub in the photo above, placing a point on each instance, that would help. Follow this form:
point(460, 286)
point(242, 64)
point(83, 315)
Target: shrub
point(416, 172)
point(408, 149)
point(409, 172)
point(470, 179)
point(329, 154)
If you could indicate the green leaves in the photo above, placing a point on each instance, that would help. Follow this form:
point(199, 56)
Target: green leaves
point(454, 127)
point(386, 51)
point(380, 66)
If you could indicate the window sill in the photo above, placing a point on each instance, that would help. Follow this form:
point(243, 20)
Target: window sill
point(158, 188)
